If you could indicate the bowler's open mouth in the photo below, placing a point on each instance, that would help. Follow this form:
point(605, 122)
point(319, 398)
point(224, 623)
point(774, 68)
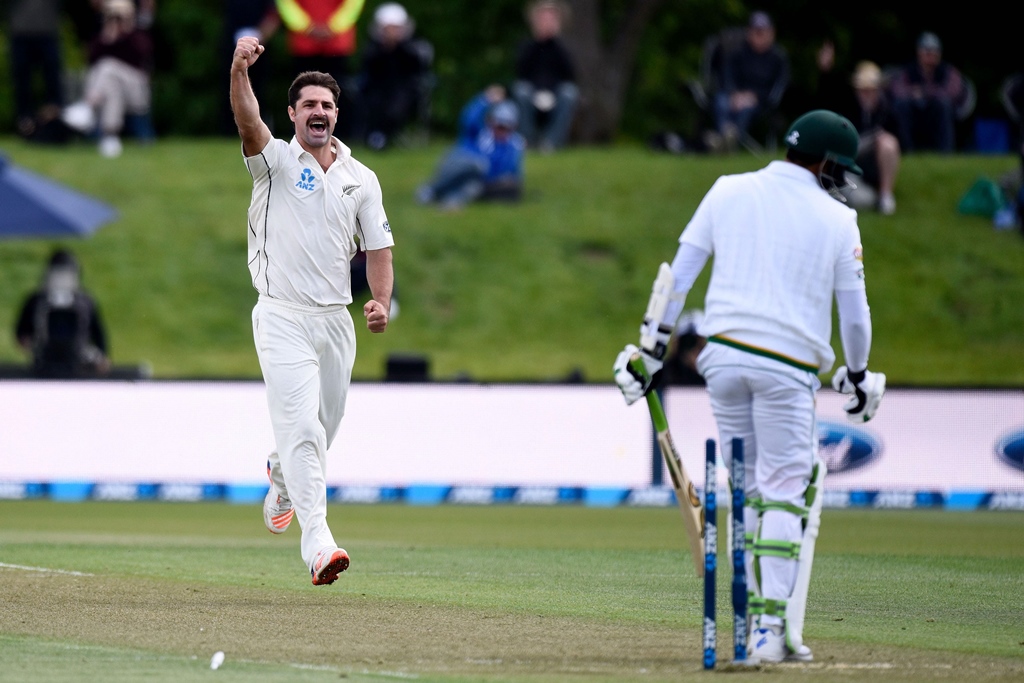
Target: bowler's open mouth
point(318, 125)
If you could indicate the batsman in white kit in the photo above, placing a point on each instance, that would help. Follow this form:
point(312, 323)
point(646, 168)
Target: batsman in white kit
point(783, 248)
point(312, 207)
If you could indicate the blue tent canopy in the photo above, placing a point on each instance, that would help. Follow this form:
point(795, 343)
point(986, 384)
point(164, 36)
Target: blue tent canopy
point(32, 205)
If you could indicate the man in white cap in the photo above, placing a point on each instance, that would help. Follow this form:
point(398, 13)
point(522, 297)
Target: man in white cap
point(395, 75)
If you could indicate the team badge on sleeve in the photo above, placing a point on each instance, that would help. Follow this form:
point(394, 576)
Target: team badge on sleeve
point(858, 253)
point(386, 226)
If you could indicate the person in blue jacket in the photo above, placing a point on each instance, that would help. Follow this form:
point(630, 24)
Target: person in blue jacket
point(485, 163)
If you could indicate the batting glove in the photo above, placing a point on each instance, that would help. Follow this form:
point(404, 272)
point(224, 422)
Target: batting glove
point(635, 385)
point(867, 389)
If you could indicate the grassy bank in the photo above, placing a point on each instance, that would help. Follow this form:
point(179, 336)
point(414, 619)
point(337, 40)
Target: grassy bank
point(530, 291)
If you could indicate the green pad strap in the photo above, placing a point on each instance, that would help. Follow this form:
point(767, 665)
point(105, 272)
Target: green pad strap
point(799, 511)
point(812, 491)
point(766, 606)
point(787, 550)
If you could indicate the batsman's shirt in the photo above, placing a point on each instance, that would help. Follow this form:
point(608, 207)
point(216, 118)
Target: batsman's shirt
point(304, 223)
point(782, 246)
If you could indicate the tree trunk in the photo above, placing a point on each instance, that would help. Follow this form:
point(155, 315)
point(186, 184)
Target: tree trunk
point(603, 69)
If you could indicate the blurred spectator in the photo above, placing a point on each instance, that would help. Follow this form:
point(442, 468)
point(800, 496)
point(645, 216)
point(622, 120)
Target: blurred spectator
point(879, 151)
point(487, 167)
point(545, 87)
point(395, 75)
point(754, 78)
point(34, 29)
point(60, 324)
point(1013, 101)
point(926, 94)
point(256, 18)
point(680, 367)
point(322, 37)
point(117, 82)
point(473, 117)
point(87, 17)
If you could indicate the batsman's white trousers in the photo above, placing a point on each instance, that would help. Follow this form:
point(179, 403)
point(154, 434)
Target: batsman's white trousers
point(770, 405)
point(306, 355)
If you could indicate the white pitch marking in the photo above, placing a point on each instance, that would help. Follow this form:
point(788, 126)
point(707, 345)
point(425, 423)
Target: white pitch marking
point(860, 666)
point(45, 570)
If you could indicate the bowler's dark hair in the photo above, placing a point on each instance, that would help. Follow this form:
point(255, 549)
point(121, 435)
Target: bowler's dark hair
point(317, 78)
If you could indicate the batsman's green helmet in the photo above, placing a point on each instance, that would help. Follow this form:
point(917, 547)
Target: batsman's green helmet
point(825, 134)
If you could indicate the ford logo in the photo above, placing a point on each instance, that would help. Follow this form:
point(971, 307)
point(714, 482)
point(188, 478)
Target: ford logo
point(1011, 449)
point(845, 447)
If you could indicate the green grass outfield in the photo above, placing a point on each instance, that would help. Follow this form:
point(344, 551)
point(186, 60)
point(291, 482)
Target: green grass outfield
point(511, 292)
point(149, 591)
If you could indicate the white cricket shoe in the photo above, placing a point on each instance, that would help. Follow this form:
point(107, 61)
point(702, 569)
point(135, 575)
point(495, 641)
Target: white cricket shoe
point(277, 512)
point(328, 564)
point(767, 645)
point(110, 146)
point(801, 654)
point(80, 116)
point(887, 204)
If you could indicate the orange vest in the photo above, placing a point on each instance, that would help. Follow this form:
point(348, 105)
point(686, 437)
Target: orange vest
point(339, 16)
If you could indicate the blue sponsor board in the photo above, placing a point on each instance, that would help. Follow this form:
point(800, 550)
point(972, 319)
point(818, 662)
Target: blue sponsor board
point(845, 447)
point(1010, 448)
point(435, 494)
point(17, 490)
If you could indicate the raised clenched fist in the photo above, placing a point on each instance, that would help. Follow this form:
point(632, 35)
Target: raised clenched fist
point(247, 51)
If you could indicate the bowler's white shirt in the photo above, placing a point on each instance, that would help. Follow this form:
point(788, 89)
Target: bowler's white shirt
point(303, 223)
point(782, 246)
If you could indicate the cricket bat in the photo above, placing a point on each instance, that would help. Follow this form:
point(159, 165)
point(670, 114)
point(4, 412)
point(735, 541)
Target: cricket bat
point(686, 494)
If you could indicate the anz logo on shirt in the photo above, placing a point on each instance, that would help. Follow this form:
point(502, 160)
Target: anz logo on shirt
point(307, 181)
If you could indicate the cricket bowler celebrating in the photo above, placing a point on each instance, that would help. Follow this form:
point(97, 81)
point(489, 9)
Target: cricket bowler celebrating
point(783, 247)
point(311, 201)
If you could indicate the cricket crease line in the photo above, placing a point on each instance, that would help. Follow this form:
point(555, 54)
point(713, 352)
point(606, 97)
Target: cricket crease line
point(45, 570)
point(861, 666)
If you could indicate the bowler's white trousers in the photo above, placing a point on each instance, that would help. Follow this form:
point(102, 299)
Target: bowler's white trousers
point(770, 405)
point(306, 355)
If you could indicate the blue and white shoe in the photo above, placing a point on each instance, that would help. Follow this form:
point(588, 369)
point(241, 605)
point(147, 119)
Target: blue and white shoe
point(767, 646)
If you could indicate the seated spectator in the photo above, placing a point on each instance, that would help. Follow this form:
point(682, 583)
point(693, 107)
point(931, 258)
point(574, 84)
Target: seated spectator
point(395, 74)
point(925, 97)
point(879, 151)
point(754, 78)
point(60, 324)
point(117, 81)
point(545, 87)
point(487, 167)
point(473, 117)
